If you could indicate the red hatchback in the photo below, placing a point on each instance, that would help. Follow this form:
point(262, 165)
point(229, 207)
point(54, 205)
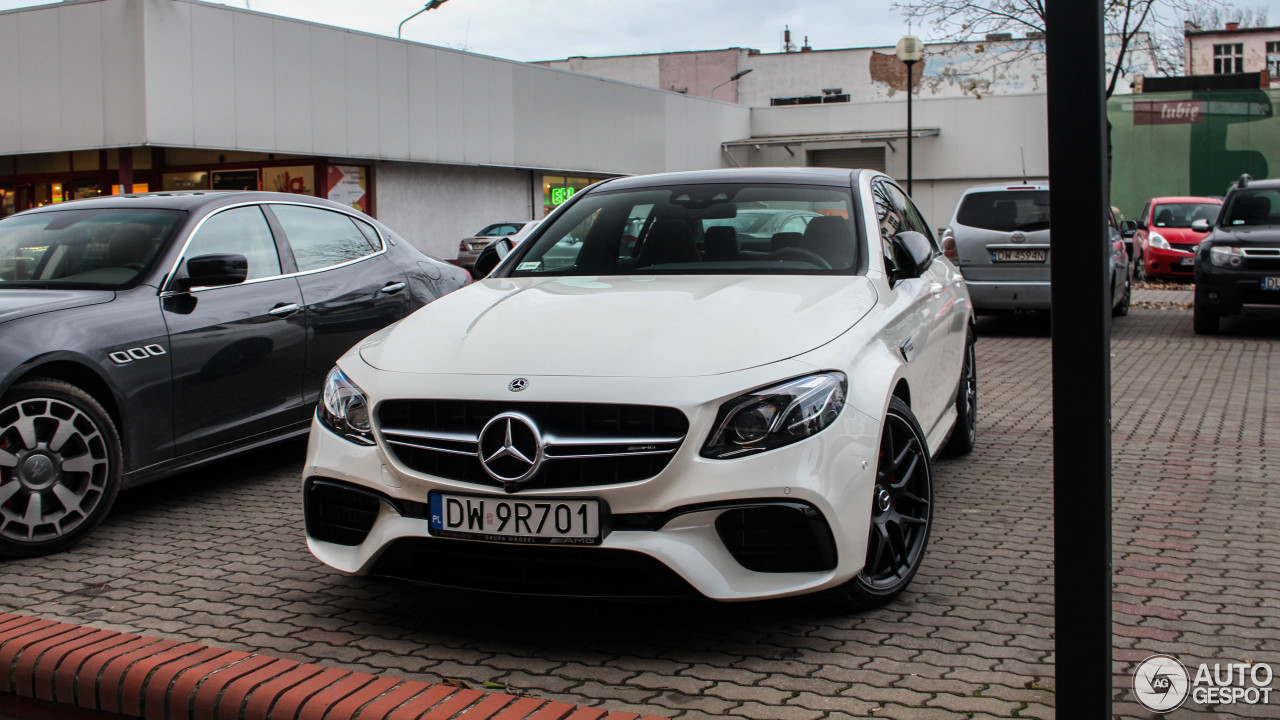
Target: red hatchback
point(1164, 245)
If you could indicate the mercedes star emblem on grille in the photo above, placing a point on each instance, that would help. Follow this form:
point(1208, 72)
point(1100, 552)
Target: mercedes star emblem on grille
point(518, 384)
point(511, 448)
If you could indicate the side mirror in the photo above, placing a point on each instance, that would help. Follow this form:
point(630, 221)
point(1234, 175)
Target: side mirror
point(215, 271)
point(914, 252)
point(491, 256)
point(1128, 228)
point(1200, 225)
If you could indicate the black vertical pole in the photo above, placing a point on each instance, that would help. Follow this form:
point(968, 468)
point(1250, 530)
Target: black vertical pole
point(1079, 247)
point(909, 64)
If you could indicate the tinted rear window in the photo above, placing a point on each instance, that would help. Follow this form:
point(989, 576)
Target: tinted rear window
point(1005, 210)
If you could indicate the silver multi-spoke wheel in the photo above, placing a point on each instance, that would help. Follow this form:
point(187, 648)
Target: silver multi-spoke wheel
point(59, 469)
point(901, 512)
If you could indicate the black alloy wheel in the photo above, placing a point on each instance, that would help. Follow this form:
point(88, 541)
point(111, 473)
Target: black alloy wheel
point(59, 467)
point(901, 513)
point(965, 434)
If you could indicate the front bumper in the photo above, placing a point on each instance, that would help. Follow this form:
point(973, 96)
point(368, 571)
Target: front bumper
point(1227, 291)
point(686, 528)
point(1159, 262)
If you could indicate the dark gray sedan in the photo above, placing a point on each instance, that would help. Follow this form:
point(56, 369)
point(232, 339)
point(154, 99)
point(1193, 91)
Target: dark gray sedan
point(145, 334)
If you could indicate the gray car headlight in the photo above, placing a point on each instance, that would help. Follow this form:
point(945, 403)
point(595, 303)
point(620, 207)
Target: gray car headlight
point(344, 409)
point(1224, 256)
point(776, 416)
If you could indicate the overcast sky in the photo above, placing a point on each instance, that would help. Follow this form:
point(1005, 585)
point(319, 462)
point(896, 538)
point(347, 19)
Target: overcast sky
point(551, 29)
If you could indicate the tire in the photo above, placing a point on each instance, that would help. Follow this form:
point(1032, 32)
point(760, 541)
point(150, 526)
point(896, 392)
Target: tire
point(1140, 270)
point(60, 467)
point(1205, 319)
point(965, 434)
point(1122, 308)
point(901, 514)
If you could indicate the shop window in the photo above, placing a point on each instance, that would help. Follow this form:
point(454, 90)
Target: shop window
point(1273, 59)
point(557, 189)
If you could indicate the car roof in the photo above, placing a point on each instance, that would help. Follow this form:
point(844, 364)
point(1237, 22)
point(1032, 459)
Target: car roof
point(194, 200)
point(838, 177)
point(1008, 186)
point(1185, 198)
point(1267, 184)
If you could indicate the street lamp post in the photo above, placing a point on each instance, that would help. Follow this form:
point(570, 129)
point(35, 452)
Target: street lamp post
point(432, 5)
point(732, 77)
point(910, 50)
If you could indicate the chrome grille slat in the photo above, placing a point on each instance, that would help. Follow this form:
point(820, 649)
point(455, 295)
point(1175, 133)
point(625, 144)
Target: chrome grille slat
point(586, 444)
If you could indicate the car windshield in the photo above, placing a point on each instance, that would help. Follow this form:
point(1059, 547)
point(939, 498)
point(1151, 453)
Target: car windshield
point(1181, 215)
point(1252, 207)
point(1005, 210)
point(100, 248)
point(692, 230)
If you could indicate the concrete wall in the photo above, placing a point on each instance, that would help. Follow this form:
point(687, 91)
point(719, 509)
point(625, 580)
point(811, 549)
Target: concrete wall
point(979, 141)
point(72, 77)
point(434, 206)
point(222, 77)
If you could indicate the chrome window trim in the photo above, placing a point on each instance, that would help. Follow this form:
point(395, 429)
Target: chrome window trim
point(167, 291)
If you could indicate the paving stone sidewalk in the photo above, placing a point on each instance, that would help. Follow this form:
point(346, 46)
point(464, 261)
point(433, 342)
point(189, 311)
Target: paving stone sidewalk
point(218, 556)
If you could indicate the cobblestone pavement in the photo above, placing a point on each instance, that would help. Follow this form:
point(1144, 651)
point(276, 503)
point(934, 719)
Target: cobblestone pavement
point(217, 556)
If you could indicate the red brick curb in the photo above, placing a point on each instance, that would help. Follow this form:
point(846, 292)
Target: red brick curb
point(57, 671)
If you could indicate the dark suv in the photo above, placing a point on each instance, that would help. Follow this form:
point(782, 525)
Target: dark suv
point(1239, 262)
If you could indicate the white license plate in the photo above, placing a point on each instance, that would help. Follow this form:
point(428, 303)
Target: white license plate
point(999, 256)
point(501, 519)
point(1188, 261)
point(1271, 283)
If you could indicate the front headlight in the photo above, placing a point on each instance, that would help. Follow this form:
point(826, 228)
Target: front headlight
point(344, 409)
point(776, 416)
point(1157, 240)
point(1225, 256)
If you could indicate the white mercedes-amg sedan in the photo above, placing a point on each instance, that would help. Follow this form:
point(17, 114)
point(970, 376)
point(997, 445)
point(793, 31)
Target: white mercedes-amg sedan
point(641, 401)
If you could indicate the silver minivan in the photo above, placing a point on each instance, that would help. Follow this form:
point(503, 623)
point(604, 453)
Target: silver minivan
point(999, 238)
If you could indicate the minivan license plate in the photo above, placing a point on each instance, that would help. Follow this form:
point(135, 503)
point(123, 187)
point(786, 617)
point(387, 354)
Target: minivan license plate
point(1000, 256)
point(1271, 283)
point(501, 519)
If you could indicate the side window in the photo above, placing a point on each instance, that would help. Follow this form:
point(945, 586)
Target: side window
point(321, 238)
point(243, 231)
point(891, 222)
point(911, 216)
point(1142, 216)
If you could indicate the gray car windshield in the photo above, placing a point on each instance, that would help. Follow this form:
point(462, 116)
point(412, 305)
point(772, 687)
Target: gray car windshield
point(692, 230)
point(99, 248)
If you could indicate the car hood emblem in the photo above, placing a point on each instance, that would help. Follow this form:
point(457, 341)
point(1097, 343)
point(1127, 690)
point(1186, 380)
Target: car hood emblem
point(518, 384)
point(1017, 237)
point(511, 449)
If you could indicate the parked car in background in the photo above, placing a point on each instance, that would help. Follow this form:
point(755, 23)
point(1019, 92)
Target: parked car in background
point(145, 334)
point(999, 238)
point(692, 418)
point(469, 248)
point(1164, 243)
point(1238, 263)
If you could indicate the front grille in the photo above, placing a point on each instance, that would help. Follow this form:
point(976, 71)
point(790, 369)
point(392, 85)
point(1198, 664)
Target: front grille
point(790, 537)
point(338, 513)
point(530, 570)
point(586, 444)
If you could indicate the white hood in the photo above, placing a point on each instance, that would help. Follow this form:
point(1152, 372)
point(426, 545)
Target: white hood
point(625, 326)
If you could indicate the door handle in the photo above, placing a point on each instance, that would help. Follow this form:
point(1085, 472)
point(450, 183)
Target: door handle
point(284, 310)
point(392, 288)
